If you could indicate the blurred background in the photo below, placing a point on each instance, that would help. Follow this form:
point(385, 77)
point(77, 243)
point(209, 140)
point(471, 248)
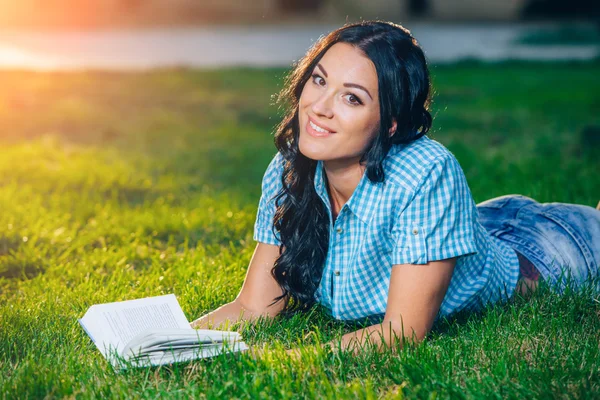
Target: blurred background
point(126, 13)
point(63, 34)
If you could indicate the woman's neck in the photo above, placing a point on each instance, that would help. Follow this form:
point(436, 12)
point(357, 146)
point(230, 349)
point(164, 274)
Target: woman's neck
point(342, 180)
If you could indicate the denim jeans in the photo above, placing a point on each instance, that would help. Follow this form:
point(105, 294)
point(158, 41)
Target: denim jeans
point(561, 240)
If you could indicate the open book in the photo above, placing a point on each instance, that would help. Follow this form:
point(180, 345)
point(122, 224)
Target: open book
point(152, 331)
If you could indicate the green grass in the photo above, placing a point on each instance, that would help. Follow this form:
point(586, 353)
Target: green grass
point(116, 186)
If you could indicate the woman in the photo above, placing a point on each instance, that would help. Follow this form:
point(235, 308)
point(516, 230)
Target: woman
point(363, 213)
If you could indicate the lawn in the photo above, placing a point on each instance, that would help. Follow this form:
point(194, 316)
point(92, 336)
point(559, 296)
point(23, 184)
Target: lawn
point(117, 186)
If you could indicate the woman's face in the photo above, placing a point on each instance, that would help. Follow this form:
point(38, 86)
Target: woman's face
point(339, 106)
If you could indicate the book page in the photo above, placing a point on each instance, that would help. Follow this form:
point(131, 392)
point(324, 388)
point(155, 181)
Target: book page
point(164, 339)
point(112, 325)
point(179, 355)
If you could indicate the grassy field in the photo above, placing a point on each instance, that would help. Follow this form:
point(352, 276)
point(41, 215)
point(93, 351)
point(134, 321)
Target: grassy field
point(116, 186)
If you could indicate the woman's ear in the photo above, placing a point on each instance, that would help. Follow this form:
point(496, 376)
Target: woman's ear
point(392, 130)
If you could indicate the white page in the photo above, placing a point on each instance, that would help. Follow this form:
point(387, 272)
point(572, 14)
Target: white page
point(90, 325)
point(112, 325)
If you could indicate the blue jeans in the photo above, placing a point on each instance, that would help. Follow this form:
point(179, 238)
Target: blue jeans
point(561, 240)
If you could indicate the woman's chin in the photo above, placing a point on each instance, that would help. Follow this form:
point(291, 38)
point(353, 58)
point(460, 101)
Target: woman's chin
point(314, 152)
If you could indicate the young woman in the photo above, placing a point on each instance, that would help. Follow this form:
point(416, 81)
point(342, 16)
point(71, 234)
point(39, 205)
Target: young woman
point(363, 213)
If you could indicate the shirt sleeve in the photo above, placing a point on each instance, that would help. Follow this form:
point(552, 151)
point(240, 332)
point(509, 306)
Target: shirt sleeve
point(438, 223)
point(271, 185)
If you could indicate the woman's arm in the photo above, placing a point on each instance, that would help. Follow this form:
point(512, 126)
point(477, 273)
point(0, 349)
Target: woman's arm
point(414, 299)
point(258, 291)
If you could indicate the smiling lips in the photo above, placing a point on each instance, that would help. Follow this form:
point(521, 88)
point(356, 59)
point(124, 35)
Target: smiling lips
point(317, 130)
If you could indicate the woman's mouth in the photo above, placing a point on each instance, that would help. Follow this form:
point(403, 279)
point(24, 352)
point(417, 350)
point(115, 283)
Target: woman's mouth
point(315, 130)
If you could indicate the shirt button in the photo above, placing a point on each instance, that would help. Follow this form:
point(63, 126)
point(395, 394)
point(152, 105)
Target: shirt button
point(415, 231)
point(337, 273)
point(339, 230)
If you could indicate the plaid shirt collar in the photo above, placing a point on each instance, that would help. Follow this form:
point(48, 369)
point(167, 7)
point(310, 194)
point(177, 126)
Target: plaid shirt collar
point(358, 204)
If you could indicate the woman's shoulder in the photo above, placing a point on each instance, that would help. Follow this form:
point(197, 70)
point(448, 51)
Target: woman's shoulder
point(275, 167)
point(276, 162)
point(271, 181)
point(407, 164)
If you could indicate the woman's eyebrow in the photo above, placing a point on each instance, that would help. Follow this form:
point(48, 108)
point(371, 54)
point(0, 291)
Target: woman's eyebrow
point(322, 70)
point(348, 85)
point(357, 86)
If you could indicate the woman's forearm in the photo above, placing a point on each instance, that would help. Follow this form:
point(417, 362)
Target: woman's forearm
point(256, 296)
point(380, 336)
point(229, 313)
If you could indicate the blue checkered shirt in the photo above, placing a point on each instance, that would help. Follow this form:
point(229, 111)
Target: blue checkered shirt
point(422, 212)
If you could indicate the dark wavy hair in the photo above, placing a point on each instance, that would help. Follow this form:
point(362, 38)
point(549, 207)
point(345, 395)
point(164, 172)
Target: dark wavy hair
point(301, 218)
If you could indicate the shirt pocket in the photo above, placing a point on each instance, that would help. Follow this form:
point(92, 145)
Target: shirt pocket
point(384, 243)
point(375, 252)
point(379, 260)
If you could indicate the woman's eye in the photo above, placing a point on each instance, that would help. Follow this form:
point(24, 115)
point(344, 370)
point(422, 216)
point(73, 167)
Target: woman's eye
point(317, 79)
point(352, 99)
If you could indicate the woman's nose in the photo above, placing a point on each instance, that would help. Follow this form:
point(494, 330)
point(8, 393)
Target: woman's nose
point(323, 106)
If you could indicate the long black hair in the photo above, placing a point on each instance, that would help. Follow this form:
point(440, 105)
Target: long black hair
point(301, 218)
